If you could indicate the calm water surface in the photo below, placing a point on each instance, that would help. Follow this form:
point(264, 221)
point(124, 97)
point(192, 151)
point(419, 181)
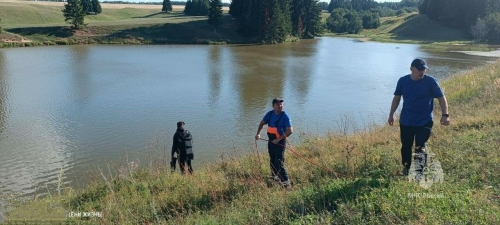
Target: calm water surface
point(68, 110)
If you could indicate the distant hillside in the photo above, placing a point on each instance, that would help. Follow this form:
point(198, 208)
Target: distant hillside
point(410, 28)
point(421, 28)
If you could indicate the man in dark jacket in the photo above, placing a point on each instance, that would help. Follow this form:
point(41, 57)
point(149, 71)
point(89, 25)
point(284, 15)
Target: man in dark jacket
point(182, 149)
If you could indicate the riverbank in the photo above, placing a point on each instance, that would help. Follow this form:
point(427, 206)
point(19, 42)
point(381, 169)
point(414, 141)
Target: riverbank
point(369, 189)
point(414, 28)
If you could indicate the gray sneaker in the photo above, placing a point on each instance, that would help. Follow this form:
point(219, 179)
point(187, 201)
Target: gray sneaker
point(287, 184)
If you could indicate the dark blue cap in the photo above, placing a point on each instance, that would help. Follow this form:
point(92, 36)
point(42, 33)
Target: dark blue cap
point(420, 64)
point(277, 100)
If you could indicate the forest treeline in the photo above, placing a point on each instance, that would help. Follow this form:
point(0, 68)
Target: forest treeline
point(479, 18)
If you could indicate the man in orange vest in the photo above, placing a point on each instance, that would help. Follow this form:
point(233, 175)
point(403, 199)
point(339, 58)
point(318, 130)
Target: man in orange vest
point(279, 127)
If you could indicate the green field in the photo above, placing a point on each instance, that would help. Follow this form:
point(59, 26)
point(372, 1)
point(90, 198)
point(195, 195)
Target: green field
point(27, 24)
point(369, 189)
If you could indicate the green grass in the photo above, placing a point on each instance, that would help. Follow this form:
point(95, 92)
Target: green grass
point(26, 15)
point(44, 25)
point(371, 191)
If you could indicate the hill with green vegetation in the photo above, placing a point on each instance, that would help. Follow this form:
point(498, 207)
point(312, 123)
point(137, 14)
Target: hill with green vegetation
point(413, 28)
point(29, 24)
point(365, 187)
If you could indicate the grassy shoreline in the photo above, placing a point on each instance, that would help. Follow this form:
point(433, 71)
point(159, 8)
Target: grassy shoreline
point(236, 191)
point(413, 28)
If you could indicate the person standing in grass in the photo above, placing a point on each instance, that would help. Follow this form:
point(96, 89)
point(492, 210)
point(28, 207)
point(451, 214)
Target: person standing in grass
point(279, 127)
point(182, 149)
point(418, 91)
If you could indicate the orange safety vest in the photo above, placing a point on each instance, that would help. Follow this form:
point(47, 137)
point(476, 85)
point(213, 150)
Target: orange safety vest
point(272, 131)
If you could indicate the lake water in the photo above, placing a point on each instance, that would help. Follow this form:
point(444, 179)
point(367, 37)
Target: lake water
point(68, 110)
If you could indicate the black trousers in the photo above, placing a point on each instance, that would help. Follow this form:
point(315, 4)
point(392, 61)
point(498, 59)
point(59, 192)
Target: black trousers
point(420, 135)
point(277, 156)
point(182, 165)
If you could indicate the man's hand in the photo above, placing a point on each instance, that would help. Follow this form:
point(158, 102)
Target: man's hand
point(445, 120)
point(275, 141)
point(257, 137)
point(391, 120)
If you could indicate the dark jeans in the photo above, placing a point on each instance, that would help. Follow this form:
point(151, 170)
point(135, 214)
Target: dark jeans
point(277, 156)
point(182, 164)
point(419, 135)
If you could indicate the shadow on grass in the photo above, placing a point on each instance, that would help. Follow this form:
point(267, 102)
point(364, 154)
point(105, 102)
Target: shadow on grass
point(421, 28)
point(328, 197)
point(186, 32)
point(165, 15)
point(57, 31)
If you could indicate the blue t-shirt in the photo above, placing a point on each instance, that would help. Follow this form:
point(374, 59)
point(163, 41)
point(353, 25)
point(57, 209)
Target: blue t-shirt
point(417, 99)
point(271, 118)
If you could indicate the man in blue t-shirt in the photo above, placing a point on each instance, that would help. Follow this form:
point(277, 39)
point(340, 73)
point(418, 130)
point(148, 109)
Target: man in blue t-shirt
point(418, 91)
point(279, 127)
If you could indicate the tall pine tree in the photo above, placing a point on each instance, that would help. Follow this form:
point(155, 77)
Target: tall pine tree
point(215, 14)
point(87, 6)
point(312, 24)
point(73, 13)
point(96, 7)
point(167, 6)
point(188, 7)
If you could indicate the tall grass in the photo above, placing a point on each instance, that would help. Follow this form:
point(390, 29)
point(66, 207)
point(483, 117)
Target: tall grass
point(368, 189)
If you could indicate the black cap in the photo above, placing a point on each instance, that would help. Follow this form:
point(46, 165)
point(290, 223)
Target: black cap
point(420, 64)
point(277, 100)
point(180, 123)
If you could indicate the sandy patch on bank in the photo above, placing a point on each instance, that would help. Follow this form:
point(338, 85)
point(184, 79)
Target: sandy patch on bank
point(495, 53)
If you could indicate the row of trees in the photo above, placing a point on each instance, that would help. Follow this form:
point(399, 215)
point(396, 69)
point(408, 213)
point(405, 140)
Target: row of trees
point(466, 14)
point(351, 22)
point(363, 5)
point(383, 9)
point(75, 10)
point(274, 21)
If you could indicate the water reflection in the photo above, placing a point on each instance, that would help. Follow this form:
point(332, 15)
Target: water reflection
point(215, 73)
point(3, 95)
point(81, 68)
point(300, 68)
point(260, 74)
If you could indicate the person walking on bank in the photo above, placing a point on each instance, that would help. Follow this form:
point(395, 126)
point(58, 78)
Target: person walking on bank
point(182, 149)
point(418, 91)
point(279, 127)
